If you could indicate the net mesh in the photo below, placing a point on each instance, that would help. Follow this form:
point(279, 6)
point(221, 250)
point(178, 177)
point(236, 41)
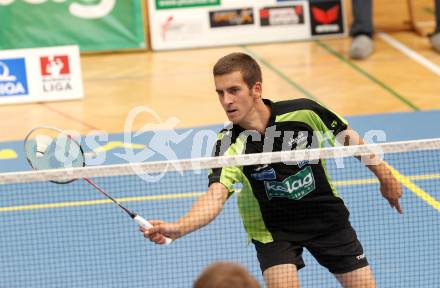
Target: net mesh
point(70, 236)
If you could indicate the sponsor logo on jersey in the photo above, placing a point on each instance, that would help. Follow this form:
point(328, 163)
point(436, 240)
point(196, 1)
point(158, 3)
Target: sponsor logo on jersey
point(293, 187)
point(264, 172)
point(300, 141)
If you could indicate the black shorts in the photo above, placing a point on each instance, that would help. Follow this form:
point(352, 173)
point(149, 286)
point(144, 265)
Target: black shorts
point(339, 251)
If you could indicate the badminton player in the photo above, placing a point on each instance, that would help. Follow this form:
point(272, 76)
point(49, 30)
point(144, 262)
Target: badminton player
point(284, 207)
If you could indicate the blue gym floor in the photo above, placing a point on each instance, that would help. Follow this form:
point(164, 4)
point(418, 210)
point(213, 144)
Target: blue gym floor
point(98, 246)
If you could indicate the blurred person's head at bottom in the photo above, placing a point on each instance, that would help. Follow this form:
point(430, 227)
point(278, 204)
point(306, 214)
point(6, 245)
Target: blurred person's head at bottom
point(225, 275)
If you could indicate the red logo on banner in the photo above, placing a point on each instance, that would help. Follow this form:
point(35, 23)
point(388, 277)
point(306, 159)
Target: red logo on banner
point(326, 17)
point(264, 13)
point(55, 65)
point(165, 27)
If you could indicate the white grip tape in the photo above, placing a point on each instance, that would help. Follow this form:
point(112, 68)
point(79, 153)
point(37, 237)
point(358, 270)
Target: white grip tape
point(144, 223)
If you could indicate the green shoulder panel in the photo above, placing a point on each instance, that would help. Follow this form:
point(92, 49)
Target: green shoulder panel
point(232, 174)
point(247, 203)
point(313, 120)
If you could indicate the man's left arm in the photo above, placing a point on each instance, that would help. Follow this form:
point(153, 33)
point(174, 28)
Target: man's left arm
point(390, 187)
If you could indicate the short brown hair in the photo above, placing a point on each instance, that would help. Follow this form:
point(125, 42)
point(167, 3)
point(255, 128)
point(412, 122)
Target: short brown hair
point(225, 275)
point(249, 68)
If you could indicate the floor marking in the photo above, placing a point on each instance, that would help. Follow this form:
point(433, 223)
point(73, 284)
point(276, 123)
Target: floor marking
point(410, 53)
point(419, 192)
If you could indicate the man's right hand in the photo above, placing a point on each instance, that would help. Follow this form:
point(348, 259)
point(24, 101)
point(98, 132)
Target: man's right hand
point(160, 230)
point(204, 210)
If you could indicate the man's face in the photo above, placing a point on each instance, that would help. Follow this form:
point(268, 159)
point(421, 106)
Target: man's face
point(235, 96)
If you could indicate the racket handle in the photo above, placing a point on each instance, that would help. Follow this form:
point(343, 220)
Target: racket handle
point(144, 223)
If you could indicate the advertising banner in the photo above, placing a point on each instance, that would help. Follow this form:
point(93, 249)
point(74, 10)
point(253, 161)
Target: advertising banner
point(178, 24)
point(94, 25)
point(326, 17)
point(40, 74)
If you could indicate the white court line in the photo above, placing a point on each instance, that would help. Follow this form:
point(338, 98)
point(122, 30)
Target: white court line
point(410, 53)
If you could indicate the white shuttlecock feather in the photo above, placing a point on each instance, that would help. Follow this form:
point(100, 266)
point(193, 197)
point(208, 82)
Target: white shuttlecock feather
point(43, 142)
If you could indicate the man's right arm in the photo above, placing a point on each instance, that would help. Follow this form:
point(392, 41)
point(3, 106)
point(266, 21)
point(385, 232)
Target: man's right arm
point(204, 210)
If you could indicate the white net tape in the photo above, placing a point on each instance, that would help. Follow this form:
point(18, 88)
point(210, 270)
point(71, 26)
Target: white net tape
point(222, 161)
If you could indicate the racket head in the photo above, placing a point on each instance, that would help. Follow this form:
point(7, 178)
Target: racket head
point(52, 148)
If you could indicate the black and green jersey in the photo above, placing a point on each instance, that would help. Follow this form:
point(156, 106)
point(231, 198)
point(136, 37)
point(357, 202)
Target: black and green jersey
point(284, 201)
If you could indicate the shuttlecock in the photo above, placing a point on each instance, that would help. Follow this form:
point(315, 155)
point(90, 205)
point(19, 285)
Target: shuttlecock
point(43, 142)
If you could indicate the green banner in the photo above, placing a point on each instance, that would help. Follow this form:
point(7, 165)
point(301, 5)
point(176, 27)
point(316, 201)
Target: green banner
point(172, 4)
point(94, 25)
